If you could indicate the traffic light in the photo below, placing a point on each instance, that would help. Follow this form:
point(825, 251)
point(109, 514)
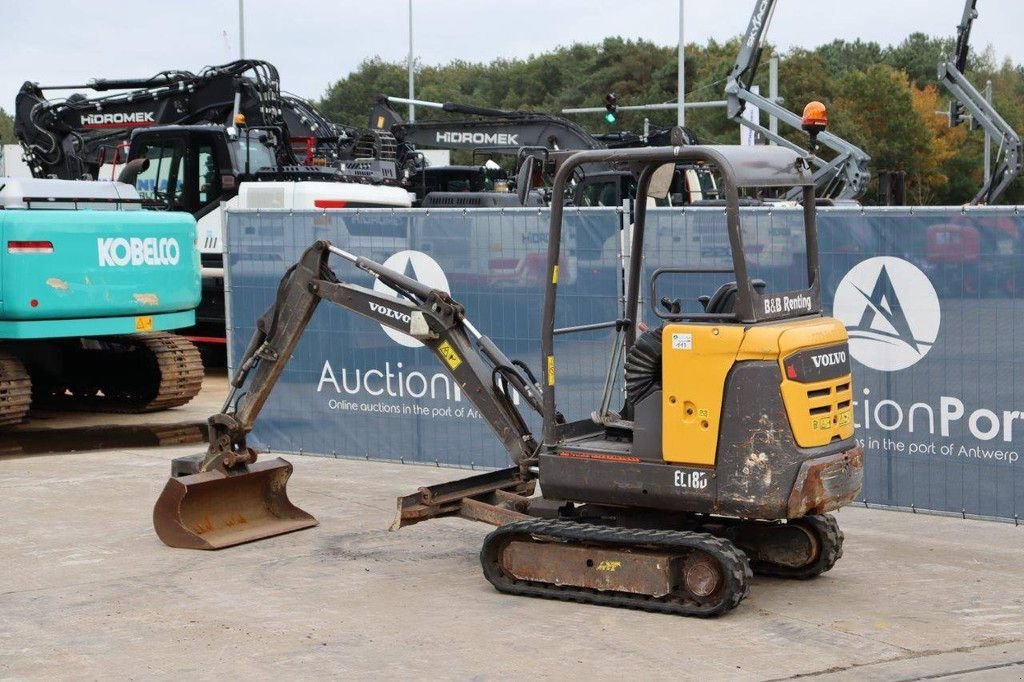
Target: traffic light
point(956, 113)
point(611, 105)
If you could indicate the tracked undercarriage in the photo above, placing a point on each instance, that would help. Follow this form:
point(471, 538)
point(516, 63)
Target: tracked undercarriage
point(136, 373)
point(645, 559)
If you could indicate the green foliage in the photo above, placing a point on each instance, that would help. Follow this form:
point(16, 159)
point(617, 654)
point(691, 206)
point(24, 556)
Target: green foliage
point(349, 100)
point(918, 56)
point(883, 99)
point(6, 128)
point(841, 56)
point(875, 111)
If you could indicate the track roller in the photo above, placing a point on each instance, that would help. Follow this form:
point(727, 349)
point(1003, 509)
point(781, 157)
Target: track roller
point(677, 572)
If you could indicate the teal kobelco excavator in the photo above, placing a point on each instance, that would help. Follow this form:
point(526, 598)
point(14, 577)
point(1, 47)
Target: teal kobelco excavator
point(734, 440)
point(90, 288)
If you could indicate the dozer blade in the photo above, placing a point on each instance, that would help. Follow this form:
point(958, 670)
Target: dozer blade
point(212, 510)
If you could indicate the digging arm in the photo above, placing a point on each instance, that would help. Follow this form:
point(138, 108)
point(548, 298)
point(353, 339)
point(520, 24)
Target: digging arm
point(484, 374)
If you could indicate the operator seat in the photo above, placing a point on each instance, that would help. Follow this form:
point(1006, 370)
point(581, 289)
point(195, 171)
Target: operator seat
point(643, 360)
point(723, 301)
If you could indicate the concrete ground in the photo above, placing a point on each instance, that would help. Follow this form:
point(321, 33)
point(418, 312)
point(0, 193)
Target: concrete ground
point(89, 592)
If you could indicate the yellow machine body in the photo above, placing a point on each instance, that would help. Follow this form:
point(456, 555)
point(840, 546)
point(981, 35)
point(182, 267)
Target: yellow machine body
point(697, 359)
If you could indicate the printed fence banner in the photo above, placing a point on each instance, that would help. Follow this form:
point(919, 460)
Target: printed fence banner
point(930, 298)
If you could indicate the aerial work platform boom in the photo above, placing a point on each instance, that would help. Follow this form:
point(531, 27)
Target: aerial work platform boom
point(846, 175)
point(983, 114)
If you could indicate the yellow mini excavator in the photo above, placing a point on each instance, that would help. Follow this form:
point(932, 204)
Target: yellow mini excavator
point(735, 439)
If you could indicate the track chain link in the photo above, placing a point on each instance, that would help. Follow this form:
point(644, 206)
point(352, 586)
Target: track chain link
point(181, 370)
point(15, 390)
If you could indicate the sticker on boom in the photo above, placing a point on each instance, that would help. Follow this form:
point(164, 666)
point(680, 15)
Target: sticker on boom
point(449, 355)
point(609, 566)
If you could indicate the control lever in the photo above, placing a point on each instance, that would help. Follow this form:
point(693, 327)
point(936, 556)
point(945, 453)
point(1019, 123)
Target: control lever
point(672, 305)
point(604, 415)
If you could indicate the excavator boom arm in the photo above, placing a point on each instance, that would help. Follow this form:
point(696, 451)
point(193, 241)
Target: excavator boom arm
point(485, 376)
point(510, 130)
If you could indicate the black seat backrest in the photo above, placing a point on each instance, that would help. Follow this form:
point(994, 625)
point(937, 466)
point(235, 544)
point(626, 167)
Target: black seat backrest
point(724, 300)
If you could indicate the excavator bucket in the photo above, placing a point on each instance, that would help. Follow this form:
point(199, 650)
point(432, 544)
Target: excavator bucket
point(213, 510)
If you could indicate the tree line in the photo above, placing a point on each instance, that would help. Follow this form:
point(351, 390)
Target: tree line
point(887, 100)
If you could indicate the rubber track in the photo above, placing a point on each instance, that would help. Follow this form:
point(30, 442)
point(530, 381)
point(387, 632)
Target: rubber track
point(15, 390)
point(830, 538)
point(181, 377)
point(736, 571)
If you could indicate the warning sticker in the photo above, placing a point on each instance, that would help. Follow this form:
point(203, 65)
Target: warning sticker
point(449, 355)
point(821, 423)
point(682, 342)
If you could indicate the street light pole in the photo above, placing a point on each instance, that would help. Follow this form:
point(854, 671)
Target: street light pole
point(241, 29)
point(773, 92)
point(681, 85)
point(412, 77)
point(988, 137)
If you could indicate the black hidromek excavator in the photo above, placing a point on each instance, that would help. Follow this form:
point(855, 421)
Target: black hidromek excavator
point(735, 438)
point(190, 141)
point(71, 138)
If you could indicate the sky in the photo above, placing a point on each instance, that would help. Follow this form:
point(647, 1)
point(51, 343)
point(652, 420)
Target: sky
point(316, 42)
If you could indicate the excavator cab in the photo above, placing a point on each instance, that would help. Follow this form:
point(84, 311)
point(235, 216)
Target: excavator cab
point(729, 404)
